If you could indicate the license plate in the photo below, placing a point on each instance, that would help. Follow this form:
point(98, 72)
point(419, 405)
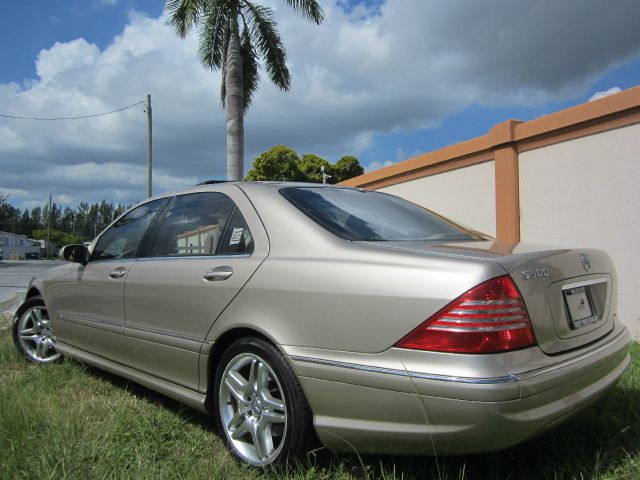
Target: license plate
point(579, 306)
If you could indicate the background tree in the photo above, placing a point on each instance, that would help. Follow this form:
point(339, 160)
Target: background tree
point(347, 167)
point(9, 216)
point(25, 223)
point(81, 223)
point(234, 36)
point(311, 167)
point(36, 220)
point(280, 164)
point(58, 238)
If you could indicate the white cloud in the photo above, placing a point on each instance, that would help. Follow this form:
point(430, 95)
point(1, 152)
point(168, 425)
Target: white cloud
point(68, 59)
point(12, 192)
point(377, 164)
point(604, 93)
point(396, 65)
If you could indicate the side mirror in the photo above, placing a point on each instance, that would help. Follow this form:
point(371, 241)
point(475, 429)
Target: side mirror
point(75, 253)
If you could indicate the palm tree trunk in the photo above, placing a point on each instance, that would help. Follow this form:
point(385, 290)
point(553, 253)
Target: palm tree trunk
point(235, 120)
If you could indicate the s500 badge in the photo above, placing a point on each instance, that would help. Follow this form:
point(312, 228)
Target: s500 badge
point(537, 273)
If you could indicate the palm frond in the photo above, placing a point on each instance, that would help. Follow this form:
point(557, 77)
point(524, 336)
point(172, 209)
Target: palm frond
point(250, 69)
point(185, 14)
point(310, 9)
point(264, 33)
point(212, 31)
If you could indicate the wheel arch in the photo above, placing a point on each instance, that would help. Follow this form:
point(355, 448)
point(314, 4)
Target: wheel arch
point(32, 292)
point(220, 345)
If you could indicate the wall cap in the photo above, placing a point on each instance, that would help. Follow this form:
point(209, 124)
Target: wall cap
point(510, 131)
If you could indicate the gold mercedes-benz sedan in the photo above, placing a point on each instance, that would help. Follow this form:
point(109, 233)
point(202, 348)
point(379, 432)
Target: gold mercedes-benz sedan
point(292, 312)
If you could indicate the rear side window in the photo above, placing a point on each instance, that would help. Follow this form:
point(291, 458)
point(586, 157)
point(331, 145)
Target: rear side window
point(196, 225)
point(124, 237)
point(237, 239)
point(363, 215)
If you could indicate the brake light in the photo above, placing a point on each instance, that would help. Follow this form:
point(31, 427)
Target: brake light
point(490, 317)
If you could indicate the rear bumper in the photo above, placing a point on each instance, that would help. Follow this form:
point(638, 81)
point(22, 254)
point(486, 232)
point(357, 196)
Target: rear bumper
point(384, 403)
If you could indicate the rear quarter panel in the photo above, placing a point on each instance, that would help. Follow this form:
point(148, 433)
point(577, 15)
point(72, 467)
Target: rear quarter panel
point(359, 299)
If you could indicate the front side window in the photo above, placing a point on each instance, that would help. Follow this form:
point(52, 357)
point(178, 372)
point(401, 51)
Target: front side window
point(199, 224)
point(123, 238)
point(364, 215)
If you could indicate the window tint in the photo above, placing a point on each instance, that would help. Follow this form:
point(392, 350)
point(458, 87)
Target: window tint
point(237, 239)
point(123, 238)
point(363, 215)
point(194, 225)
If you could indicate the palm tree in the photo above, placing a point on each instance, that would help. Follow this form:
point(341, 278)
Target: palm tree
point(234, 36)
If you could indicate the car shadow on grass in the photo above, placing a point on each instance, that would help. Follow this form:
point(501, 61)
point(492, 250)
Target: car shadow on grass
point(146, 394)
point(603, 440)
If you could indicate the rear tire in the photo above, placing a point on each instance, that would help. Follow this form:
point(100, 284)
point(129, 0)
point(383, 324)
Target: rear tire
point(261, 409)
point(32, 332)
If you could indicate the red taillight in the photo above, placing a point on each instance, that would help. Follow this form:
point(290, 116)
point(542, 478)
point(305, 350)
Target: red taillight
point(488, 318)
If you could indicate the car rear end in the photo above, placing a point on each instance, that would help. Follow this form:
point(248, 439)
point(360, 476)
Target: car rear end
point(506, 360)
point(573, 350)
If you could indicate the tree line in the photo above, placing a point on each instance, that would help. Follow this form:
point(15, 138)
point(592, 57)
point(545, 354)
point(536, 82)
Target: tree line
point(81, 224)
point(67, 225)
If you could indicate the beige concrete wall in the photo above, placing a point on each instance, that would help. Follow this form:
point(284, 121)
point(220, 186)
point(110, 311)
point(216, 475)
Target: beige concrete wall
point(466, 195)
point(586, 192)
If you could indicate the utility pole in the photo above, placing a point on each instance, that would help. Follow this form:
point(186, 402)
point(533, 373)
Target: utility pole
point(149, 145)
point(49, 231)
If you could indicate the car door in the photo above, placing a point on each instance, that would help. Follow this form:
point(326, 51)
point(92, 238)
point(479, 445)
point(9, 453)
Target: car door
point(92, 305)
point(205, 249)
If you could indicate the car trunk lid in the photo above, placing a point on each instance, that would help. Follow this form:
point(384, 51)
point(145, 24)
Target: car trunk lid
point(569, 293)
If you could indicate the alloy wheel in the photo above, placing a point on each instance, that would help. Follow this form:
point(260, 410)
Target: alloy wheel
point(252, 408)
point(35, 335)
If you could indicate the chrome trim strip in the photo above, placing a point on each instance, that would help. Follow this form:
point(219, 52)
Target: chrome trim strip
point(405, 373)
point(190, 257)
point(465, 380)
point(175, 257)
point(163, 333)
point(512, 318)
point(86, 320)
point(463, 328)
point(585, 283)
point(580, 358)
point(468, 311)
point(473, 303)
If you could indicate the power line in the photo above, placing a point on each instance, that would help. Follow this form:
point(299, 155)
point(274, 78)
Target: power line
point(72, 118)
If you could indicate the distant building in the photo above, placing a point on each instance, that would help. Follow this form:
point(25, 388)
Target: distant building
point(18, 247)
point(47, 248)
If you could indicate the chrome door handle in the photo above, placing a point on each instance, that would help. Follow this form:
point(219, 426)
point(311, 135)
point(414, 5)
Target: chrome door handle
point(118, 272)
point(218, 273)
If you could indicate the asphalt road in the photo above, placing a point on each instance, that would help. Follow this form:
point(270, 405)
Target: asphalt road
point(15, 276)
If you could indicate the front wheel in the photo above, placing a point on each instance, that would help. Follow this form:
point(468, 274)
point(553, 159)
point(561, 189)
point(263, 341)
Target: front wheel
point(32, 332)
point(261, 408)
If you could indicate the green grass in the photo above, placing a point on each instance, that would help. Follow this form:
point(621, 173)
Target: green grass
point(70, 421)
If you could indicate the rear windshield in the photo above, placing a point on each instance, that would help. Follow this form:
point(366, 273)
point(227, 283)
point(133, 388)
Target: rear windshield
point(363, 215)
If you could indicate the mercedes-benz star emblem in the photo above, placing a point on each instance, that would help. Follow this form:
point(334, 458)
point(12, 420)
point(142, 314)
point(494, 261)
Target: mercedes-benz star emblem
point(586, 264)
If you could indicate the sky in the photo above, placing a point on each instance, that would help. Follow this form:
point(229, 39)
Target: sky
point(383, 80)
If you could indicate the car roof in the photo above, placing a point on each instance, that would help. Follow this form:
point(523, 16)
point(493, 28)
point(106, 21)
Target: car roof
point(248, 186)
